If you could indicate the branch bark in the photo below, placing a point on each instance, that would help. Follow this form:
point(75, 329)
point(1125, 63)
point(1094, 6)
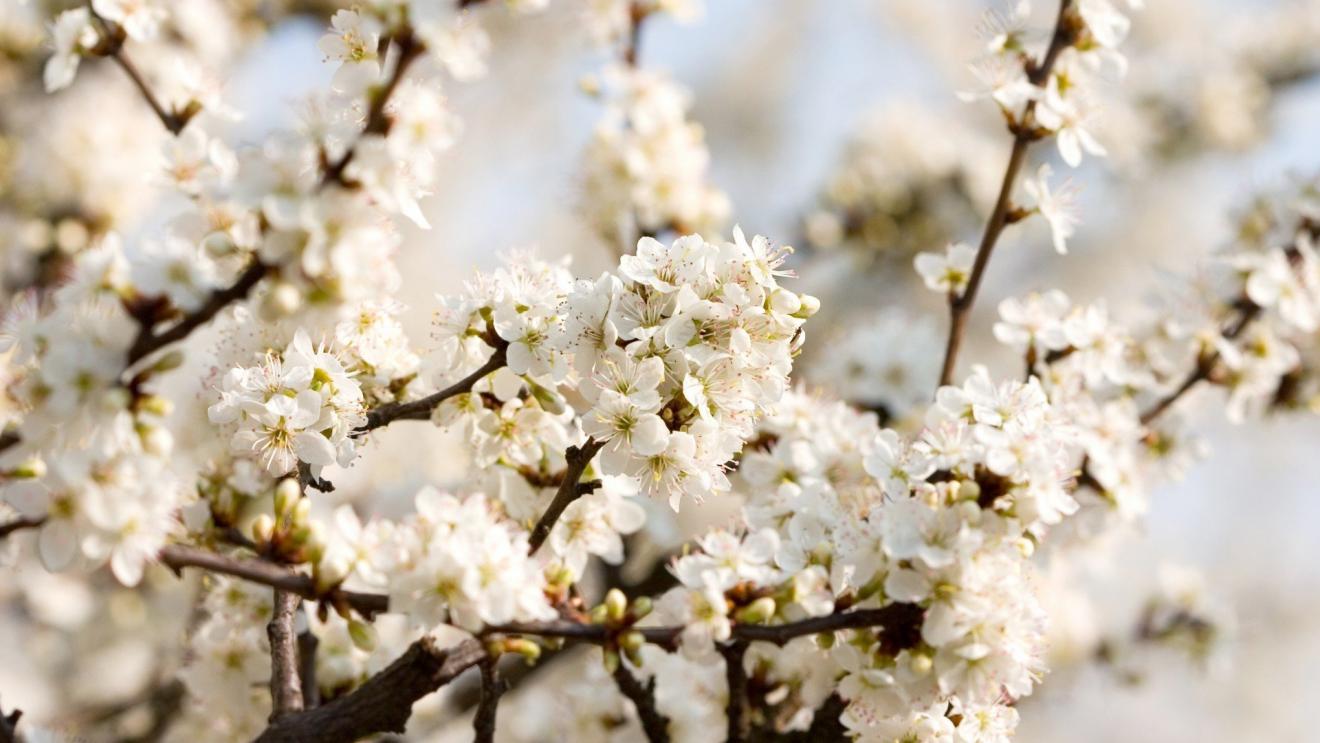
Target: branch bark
point(18, 524)
point(177, 557)
point(654, 724)
point(736, 675)
point(492, 688)
point(384, 703)
point(285, 689)
point(420, 410)
point(570, 489)
point(148, 342)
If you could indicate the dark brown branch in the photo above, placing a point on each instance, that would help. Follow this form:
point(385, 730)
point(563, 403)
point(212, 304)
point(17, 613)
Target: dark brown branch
point(1024, 134)
point(148, 342)
point(112, 46)
point(18, 524)
point(285, 689)
point(654, 724)
point(9, 439)
point(577, 459)
point(492, 688)
point(420, 410)
point(736, 674)
point(384, 703)
point(311, 692)
point(177, 557)
point(9, 726)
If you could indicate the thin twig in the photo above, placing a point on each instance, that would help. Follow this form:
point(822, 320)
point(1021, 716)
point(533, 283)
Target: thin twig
point(1024, 134)
point(285, 689)
point(570, 489)
point(1205, 364)
point(18, 524)
point(177, 557)
point(654, 724)
point(419, 410)
point(148, 342)
point(492, 688)
point(378, 121)
point(112, 46)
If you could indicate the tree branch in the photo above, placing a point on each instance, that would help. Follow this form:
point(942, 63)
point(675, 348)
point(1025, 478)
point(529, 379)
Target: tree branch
point(311, 692)
point(112, 46)
point(1024, 134)
point(9, 726)
point(654, 724)
point(420, 410)
point(18, 524)
point(285, 688)
point(378, 121)
point(570, 489)
point(736, 675)
point(384, 703)
point(148, 342)
point(177, 557)
point(492, 688)
point(1205, 364)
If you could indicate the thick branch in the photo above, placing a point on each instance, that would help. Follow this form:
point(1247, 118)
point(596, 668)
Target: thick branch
point(9, 726)
point(420, 410)
point(177, 557)
point(654, 724)
point(492, 688)
point(960, 306)
point(285, 689)
point(384, 703)
point(570, 489)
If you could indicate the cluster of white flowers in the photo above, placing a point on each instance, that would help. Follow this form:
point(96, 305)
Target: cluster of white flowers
point(457, 562)
point(683, 354)
point(89, 438)
point(647, 164)
point(299, 405)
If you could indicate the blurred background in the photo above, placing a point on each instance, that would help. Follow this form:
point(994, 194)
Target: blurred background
point(833, 127)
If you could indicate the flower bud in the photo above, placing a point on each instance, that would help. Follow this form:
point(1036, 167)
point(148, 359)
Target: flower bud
point(529, 650)
point(616, 605)
point(921, 663)
point(631, 640)
point(157, 441)
point(809, 306)
point(611, 660)
point(758, 612)
point(156, 405)
point(32, 469)
point(284, 299)
point(287, 494)
point(598, 614)
point(263, 528)
point(641, 606)
point(362, 634)
point(168, 362)
point(301, 513)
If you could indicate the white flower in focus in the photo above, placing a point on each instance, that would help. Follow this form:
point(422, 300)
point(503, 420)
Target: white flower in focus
point(353, 41)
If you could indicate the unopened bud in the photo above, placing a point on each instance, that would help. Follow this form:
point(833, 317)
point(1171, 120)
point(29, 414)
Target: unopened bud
point(758, 612)
point(1026, 546)
point(529, 650)
point(825, 640)
point(156, 405)
point(921, 663)
point(641, 606)
point(284, 299)
point(809, 306)
point(287, 494)
point(263, 528)
point(362, 634)
point(616, 604)
point(157, 441)
point(301, 514)
point(598, 614)
point(632, 640)
point(168, 361)
point(32, 469)
point(611, 661)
